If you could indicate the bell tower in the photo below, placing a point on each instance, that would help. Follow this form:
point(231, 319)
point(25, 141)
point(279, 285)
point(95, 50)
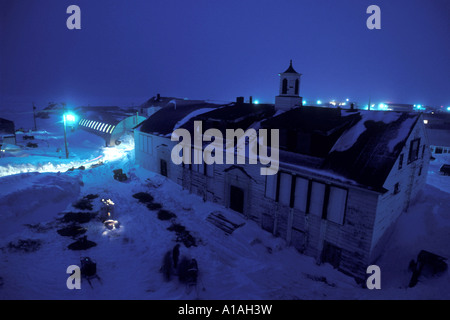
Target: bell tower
point(289, 96)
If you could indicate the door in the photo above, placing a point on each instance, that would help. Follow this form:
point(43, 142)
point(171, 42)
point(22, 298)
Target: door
point(331, 254)
point(237, 199)
point(163, 167)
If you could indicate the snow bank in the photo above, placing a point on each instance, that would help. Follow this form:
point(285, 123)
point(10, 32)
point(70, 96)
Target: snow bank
point(38, 194)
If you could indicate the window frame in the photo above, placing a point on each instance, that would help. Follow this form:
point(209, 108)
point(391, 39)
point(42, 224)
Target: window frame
point(413, 153)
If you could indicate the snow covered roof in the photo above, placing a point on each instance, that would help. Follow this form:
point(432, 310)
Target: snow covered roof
point(367, 150)
point(361, 146)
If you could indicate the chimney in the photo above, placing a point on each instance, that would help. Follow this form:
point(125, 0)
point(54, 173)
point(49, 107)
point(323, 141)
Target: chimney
point(352, 106)
point(251, 100)
point(158, 97)
point(239, 100)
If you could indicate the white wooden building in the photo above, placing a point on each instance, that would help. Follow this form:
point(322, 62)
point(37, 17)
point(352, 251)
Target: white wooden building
point(345, 176)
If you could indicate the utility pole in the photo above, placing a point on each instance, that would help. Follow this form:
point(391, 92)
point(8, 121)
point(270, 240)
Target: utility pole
point(65, 137)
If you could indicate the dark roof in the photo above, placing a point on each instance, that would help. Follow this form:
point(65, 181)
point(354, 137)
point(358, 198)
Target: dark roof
point(236, 111)
point(232, 116)
point(290, 69)
point(354, 145)
point(164, 120)
point(166, 102)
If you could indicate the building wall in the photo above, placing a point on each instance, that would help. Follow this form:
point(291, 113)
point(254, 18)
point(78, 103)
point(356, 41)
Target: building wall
point(307, 232)
point(411, 178)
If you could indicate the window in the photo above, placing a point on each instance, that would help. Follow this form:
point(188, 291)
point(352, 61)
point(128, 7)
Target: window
point(285, 189)
point(145, 143)
point(284, 87)
point(163, 167)
point(337, 203)
point(396, 188)
point(296, 86)
point(317, 198)
point(400, 162)
point(414, 150)
point(438, 150)
point(301, 193)
point(271, 186)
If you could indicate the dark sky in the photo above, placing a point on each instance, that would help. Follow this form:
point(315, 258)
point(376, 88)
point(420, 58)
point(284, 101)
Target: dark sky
point(129, 50)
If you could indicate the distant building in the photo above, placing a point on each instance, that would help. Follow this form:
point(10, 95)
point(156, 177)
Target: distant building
point(157, 102)
point(437, 126)
point(404, 107)
point(110, 123)
point(345, 176)
point(7, 132)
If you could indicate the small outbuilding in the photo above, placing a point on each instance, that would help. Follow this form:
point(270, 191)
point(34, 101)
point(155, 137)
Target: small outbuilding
point(110, 123)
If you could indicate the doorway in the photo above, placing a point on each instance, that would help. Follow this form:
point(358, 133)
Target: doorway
point(237, 199)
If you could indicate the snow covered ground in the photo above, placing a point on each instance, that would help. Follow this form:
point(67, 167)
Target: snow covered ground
point(36, 189)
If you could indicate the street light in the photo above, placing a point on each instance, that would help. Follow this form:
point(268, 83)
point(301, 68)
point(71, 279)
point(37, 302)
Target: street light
point(67, 117)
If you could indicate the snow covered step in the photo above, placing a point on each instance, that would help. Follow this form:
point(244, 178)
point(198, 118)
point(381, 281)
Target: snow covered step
point(218, 219)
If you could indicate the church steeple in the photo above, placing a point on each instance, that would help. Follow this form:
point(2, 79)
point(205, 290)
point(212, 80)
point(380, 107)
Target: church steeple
point(289, 93)
point(291, 69)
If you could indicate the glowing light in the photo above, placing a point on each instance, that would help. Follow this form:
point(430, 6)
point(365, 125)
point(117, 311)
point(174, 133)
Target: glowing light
point(319, 102)
point(425, 121)
point(70, 117)
point(119, 152)
point(347, 100)
point(383, 106)
point(304, 102)
point(256, 102)
point(448, 108)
